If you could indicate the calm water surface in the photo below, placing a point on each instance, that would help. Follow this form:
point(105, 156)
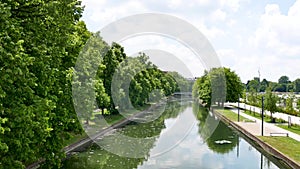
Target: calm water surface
point(173, 145)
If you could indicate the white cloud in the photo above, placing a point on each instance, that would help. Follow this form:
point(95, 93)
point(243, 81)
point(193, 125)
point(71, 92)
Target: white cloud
point(231, 4)
point(191, 65)
point(278, 33)
point(218, 15)
point(102, 13)
point(173, 4)
point(203, 2)
point(210, 32)
point(245, 36)
point(272, 9)
point(228, 57)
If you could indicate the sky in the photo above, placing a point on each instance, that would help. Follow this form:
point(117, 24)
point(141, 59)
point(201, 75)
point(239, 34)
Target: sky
point(247, 36)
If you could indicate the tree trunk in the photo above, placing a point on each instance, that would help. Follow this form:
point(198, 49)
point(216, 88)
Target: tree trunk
point(87, 121)
point(272, 119)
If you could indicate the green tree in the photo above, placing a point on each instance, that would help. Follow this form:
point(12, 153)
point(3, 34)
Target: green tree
point(138, 82)
point(264, 85)
point(284, 82)
point(298, 104)
point(36, 109)
point(296, 84)
point(202, 89)
point(218, 85)
point(289, 104)
point(182, 83)
point(244, 96)
point(253, 84)
point(234, 87)
point(86, 78)
point(252, 98)
point(111, 60)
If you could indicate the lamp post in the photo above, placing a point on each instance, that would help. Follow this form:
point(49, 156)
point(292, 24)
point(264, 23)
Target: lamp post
point(262, 116)
point(239, 109)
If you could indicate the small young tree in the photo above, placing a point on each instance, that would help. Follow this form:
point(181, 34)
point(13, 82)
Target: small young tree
point(252, 98)
point(289, 104)
point(270, 103)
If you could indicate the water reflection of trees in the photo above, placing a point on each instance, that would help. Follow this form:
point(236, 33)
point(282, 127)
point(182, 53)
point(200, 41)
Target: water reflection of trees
point(221, 131)
point(98, 158)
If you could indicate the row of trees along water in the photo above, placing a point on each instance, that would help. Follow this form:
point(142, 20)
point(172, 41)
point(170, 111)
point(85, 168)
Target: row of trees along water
point(40, 43)
point(120, 81)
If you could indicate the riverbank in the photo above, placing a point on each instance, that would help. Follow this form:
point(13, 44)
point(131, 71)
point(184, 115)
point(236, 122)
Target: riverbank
point(246, 128)
point(81, 142)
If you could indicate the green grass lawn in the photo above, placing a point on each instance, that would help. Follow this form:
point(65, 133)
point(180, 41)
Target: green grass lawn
point(231, 115)
point(286, 145)
point(294, 128)
point(266, 118)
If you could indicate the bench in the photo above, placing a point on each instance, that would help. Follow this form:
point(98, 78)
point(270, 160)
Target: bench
point(274, 134)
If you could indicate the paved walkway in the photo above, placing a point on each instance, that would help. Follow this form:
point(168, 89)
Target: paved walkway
point(294, 119)
point(269, 128)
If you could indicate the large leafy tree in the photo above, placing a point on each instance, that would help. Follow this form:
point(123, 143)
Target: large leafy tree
point(111, 60)
point(36, 53)
point(138, 82)
point(234, 87)
point(86, 79)
point(284, 83)
point(253, 84)
point(218, 85)
point(264, 85)
point(202, 89)
point(297, 85)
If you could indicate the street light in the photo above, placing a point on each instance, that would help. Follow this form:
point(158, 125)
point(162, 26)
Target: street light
point(239, 109)
point(262, 116)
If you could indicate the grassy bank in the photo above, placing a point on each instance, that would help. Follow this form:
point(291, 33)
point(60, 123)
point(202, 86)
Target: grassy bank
point(285, 145)
point(231, 115)
point(266, 117)
point(110, 119)
point(294, 128)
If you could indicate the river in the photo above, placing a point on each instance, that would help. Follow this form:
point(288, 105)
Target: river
point(184, 136)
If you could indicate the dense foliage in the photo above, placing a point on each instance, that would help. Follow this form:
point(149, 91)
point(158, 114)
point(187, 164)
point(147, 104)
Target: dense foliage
point(40, 42)
point(283, 85)
point(217, 86)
